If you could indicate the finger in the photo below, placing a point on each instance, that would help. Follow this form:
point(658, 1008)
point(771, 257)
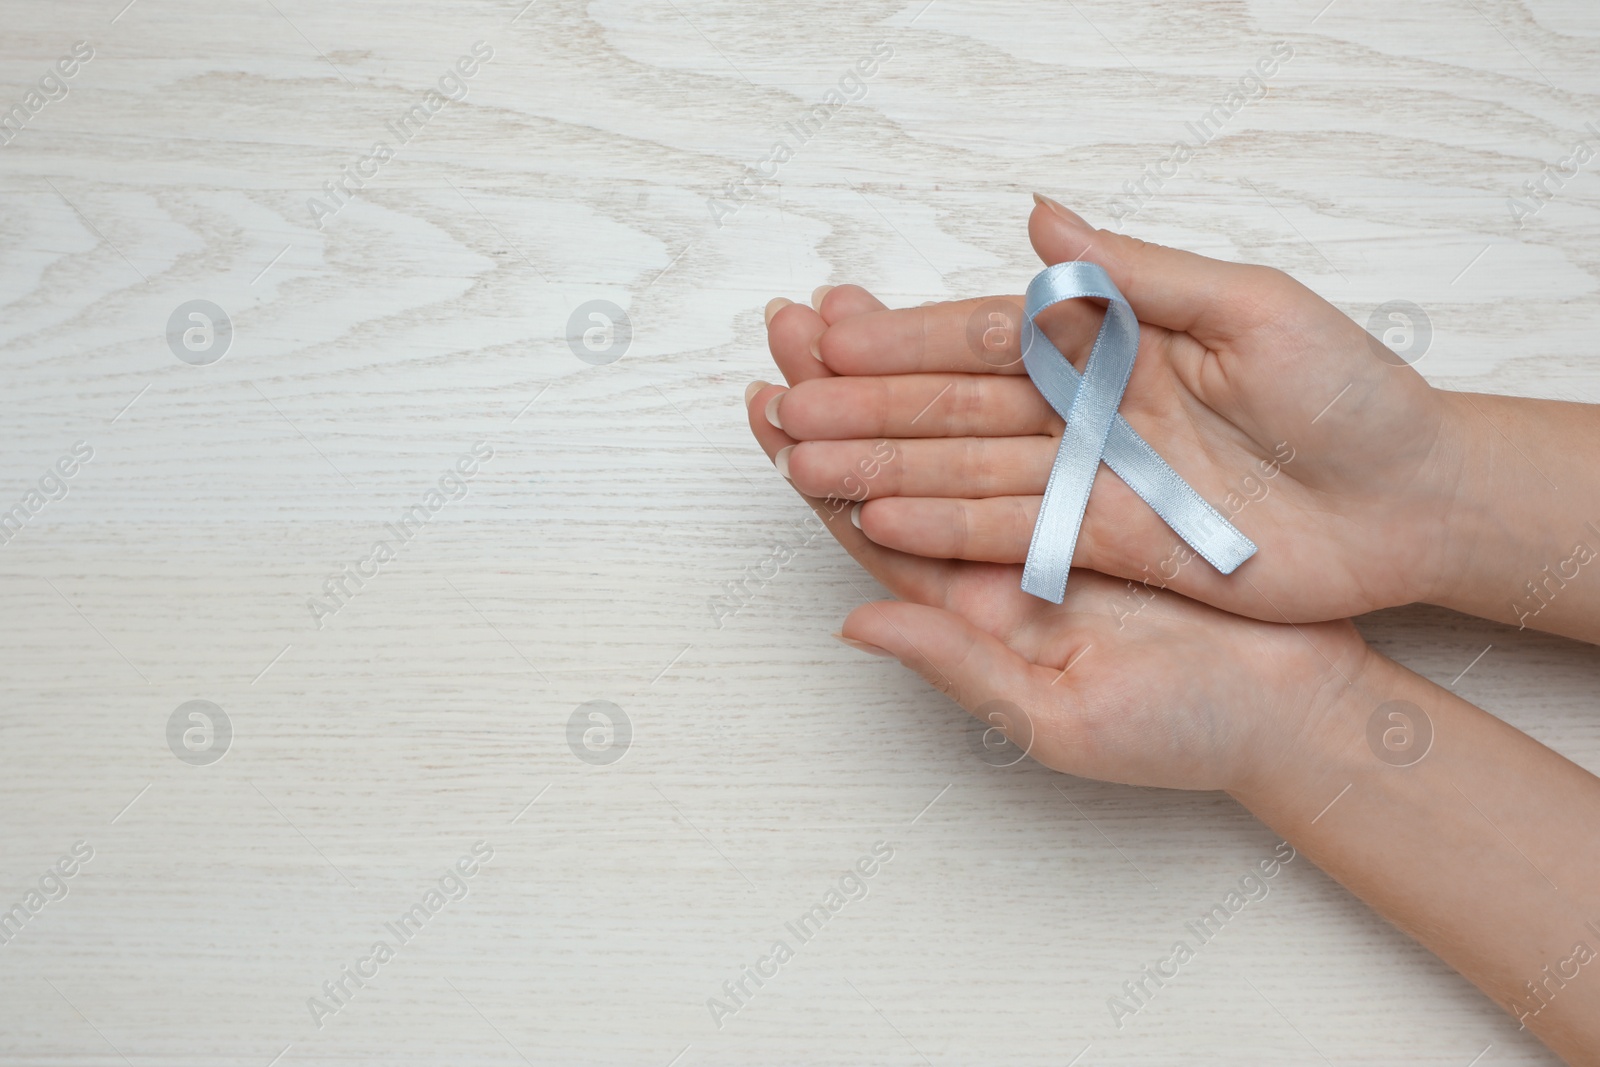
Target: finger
point(1120, 535)
point(836, 303)
point(994, 530)
point(1179, 290)
point(968, 336)
point(909, 577)
point(969, 467)
point(793, 331)
point(1000, 687)
point(915, 405)
point(1121, 539)
point(959, 659)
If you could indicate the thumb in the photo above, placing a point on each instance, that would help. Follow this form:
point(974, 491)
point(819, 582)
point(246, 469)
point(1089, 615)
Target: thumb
point(970, 666)
point(1168, 287)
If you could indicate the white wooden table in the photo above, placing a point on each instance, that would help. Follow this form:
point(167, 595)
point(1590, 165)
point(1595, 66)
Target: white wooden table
point(370, 747)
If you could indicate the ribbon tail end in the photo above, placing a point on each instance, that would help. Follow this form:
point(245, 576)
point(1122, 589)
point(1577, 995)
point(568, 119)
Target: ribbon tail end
point(1234, 560)
point(1044, 591)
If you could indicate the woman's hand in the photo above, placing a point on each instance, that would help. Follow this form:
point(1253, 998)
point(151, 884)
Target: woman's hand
point(1335, 457)
point(1150, 690)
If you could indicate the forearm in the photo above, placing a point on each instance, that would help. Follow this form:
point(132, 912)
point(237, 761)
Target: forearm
point(1522, 542)
point(1485, 849)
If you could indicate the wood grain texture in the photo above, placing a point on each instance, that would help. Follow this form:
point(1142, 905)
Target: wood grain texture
point(431, 313)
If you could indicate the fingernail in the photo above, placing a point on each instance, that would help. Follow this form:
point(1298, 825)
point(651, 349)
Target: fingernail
point(855, 516)
point(775, 305)
point(781, 460)
point(772, 411)
point(752, 389)
point(1061, 211)
point(862, 646)
point(817, 294)
point(816, 350)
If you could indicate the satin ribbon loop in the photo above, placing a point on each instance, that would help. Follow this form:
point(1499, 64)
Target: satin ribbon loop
point(1088, 403)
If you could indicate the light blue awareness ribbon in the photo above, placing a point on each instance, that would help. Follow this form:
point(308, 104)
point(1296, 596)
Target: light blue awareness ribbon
point(1095, 431)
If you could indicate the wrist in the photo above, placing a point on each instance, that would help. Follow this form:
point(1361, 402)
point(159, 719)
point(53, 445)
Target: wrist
point(1303, 727)
point(1446, 522)
point(1411, 523)
point(1302, 763)
point(1510, 540)
point(1467, 527)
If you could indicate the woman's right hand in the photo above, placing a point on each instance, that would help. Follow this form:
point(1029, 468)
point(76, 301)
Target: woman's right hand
point(1334, 456)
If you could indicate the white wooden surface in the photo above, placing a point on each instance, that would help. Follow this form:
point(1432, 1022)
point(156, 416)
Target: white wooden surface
point(430, 313)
